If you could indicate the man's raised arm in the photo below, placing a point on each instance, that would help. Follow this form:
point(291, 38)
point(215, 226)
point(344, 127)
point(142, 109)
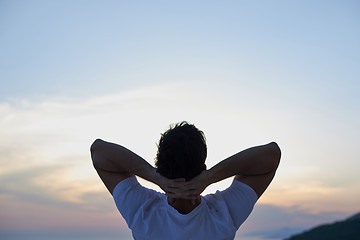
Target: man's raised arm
point(255, 167)
point(114, 163)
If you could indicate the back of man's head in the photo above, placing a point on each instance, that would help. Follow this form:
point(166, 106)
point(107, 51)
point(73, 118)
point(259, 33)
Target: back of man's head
point(181, 152)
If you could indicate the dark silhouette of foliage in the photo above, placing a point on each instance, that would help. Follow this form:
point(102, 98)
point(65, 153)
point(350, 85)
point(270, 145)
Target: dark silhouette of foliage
point(348, 229)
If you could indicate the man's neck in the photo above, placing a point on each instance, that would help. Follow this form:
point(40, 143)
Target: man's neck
point(184, 206)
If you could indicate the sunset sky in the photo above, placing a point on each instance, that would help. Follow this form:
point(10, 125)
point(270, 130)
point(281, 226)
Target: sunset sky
point(244, 72)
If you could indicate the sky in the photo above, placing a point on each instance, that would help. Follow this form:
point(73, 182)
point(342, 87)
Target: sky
point(245, 72)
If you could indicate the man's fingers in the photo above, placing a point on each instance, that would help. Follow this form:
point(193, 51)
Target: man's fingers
point(180, 183)
point(186, 195)
point(179, 180)
point(181, 190)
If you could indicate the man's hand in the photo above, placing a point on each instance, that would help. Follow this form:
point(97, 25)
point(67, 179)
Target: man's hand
point(173, 188)
point(178, 188)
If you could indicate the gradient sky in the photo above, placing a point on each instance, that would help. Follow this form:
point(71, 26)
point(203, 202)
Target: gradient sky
point(245, 73)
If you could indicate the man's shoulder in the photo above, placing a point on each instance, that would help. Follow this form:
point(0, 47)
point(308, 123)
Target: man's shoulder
point(125, 184)
point(130, 187)
point(237, 188)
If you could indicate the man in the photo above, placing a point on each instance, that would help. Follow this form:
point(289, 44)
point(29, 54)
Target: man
point(182, 213)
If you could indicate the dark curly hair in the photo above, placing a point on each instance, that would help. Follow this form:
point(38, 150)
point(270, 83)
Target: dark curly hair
point(181, 152)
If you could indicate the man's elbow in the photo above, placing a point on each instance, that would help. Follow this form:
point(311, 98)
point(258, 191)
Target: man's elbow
point(94, 148)
point(95, 145)
point(276, 152)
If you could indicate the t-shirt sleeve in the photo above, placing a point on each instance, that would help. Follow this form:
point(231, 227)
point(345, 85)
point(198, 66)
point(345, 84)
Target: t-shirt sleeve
point(240, 199)
point(130, 199)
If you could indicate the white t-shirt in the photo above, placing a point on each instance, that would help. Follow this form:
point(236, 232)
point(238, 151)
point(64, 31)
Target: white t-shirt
point(150, 217)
